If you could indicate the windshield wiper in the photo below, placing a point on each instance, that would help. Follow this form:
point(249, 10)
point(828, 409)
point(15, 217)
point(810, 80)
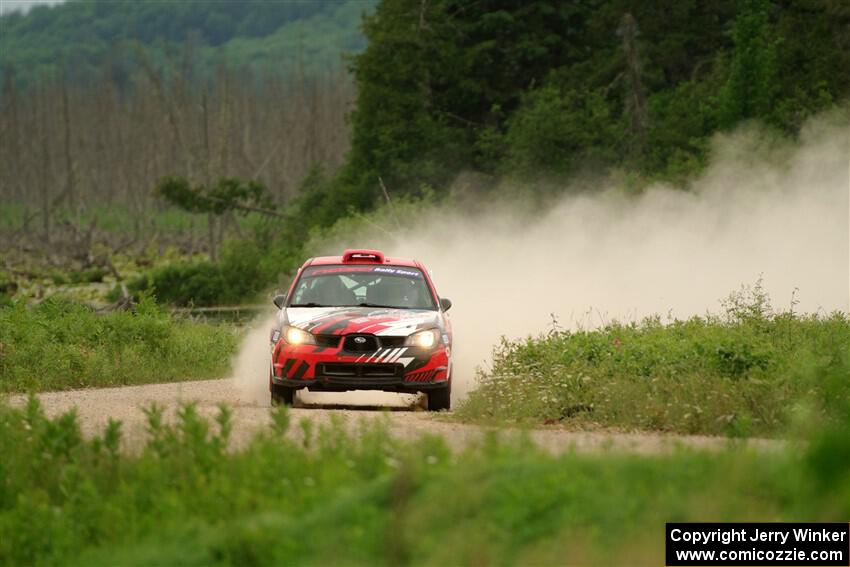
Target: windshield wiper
point(311, 304)
point(365, 304)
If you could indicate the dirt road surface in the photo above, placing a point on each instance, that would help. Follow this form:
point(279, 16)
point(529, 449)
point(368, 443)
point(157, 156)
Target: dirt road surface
point(404, 415)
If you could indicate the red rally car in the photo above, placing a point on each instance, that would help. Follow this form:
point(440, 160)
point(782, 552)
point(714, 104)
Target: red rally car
point(362, 321)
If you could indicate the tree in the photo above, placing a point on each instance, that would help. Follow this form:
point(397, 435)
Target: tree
point(752, 85)
point(635, 97)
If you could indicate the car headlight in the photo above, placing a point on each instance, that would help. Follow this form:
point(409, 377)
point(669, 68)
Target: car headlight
point(296, 336)
point(424, 339)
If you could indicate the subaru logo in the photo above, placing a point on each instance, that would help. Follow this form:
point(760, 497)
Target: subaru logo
point(360, 340)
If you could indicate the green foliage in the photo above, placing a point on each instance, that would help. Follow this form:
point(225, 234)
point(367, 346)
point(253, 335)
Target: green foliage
point(60, 345)
point(748, 372)
point(199, 283)
point(313, 44)
point(321, 201)
point(557, 132)
point(184, 498)
point(89, 275)
point(227, 195)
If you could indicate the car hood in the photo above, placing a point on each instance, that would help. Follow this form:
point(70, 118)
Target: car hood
point(372, 320)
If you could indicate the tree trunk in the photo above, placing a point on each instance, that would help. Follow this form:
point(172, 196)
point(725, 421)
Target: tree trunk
point(70, 182)
point(635, 93)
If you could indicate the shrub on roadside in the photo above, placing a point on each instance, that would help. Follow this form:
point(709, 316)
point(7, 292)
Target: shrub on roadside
point(197, 283)
point(747, 372)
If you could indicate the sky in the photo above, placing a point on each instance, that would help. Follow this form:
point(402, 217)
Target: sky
point(7, 6)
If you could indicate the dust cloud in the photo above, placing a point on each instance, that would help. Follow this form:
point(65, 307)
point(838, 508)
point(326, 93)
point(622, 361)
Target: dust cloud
point(760, 209)
point(251, 365)
point(773, 212)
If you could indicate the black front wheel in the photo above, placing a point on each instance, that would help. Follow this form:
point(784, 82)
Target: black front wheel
point(440, 398)
point(281, 395)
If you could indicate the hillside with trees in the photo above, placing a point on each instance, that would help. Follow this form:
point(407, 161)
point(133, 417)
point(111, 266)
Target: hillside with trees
point(81, 38)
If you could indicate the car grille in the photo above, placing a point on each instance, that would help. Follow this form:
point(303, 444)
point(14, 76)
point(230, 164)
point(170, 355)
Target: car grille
point(345, 372)
point(392, 342)
point(327, 341)
point(360, 343)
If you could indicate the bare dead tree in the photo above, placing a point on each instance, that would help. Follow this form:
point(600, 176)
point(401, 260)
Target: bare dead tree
point(44, 177)
point(11, 134)
point(70, 147)
point(70, 182)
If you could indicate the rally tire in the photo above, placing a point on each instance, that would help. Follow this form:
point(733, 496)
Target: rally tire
point(282, 396)
point(440, 399)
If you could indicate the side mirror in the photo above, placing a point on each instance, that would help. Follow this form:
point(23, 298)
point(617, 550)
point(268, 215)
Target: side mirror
point(445, 303)
point(279, 300)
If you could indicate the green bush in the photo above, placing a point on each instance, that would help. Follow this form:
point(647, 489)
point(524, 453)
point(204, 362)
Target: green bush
point(743, 373)
point(198, 283)
point(370, 499)
point(60, 345)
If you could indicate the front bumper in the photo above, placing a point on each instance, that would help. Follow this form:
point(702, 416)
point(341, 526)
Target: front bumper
point(319, 369)
point(323, 384)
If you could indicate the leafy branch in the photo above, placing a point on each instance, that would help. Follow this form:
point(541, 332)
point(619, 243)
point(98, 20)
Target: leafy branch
point(227, 195)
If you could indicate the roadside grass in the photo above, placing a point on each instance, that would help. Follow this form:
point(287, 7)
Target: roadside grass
point(338, 495)
point(746, 372)
point(60, 345)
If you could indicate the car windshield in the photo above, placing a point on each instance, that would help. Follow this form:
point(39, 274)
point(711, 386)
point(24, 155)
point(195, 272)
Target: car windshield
point(368, 286)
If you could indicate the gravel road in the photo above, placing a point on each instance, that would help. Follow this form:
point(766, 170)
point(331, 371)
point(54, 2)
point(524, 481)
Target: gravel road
point(404, 414)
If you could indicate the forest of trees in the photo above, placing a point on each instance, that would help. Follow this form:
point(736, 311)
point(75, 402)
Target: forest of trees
point(101, 100)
